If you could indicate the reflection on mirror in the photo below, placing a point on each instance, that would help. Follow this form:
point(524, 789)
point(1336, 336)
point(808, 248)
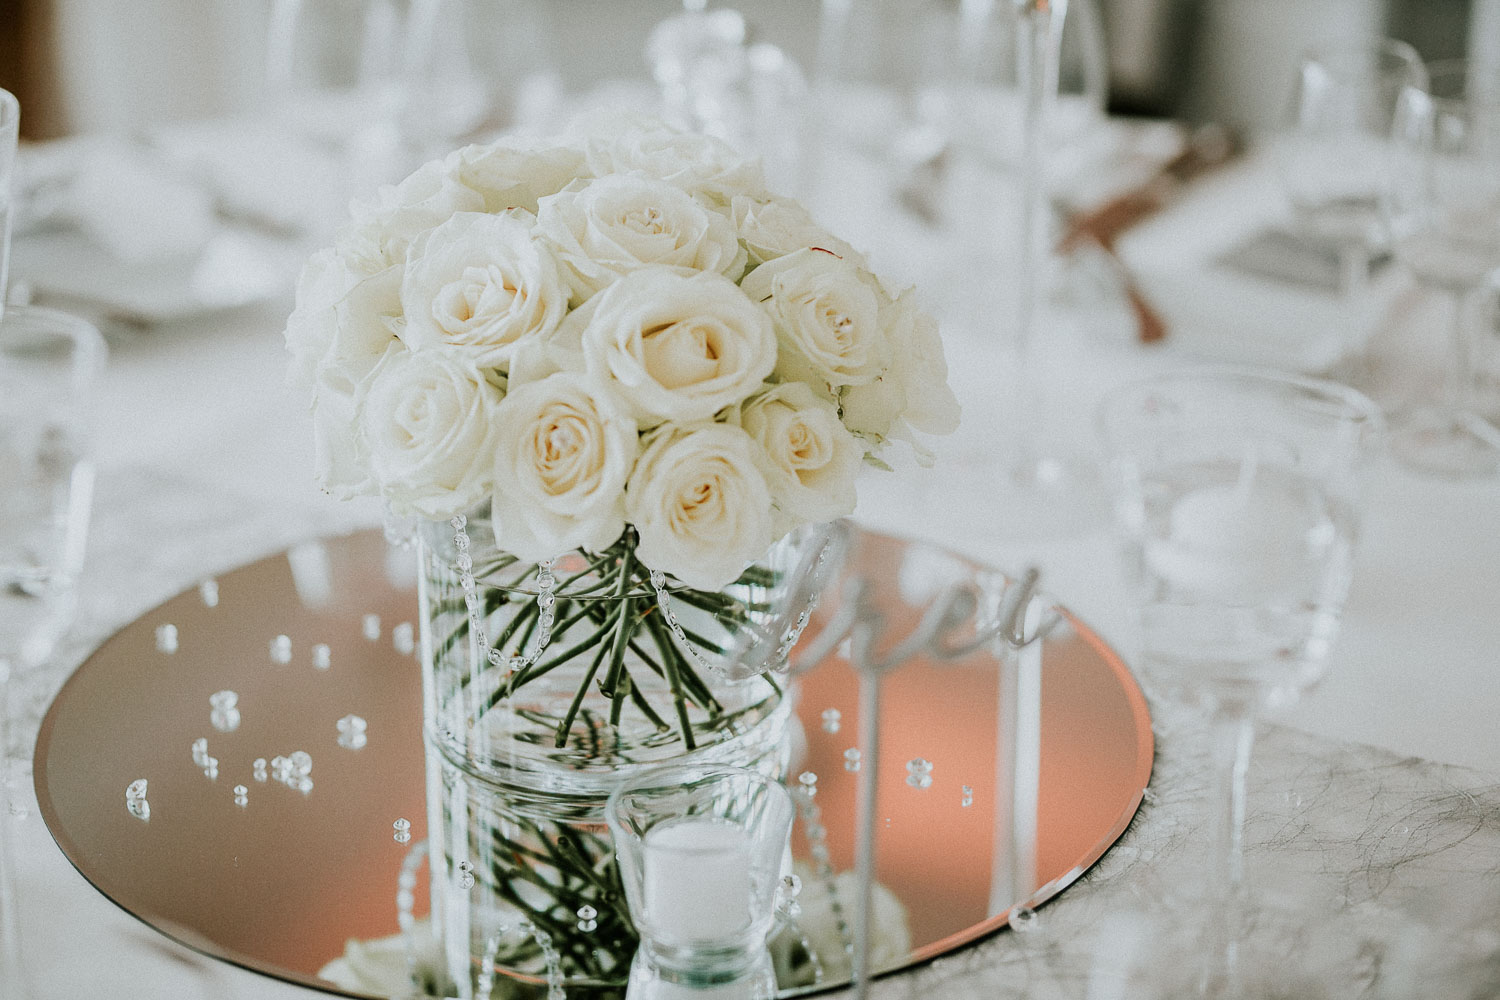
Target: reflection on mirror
point(303, 851)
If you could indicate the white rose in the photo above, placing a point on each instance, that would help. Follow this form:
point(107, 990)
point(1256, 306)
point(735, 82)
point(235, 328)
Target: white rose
point(481, 284)
point(808, 457)
point(342, 319)
point(673, 347)
point(698, 164)
point(509, 177)
point(829, 315)
point(607, 228)
point(340, 459)
point(425, 419)
point(385, 225)
point(563, 451)
point(311, 327)
point(700, 504)
point(914, 391)
point(778, 226)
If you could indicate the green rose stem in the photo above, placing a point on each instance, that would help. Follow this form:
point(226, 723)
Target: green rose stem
point(670, 656)
point(583, 688)
point(611, 686)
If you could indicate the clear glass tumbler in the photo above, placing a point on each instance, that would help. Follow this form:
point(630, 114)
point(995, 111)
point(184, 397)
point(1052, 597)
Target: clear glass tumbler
point(701, 851)
point(48, 363)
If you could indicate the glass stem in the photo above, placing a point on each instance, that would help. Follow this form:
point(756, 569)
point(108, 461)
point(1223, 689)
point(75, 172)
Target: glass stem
point(1460, 381)
point(1233, 736)
point(1041, 38)
point(1354, 279)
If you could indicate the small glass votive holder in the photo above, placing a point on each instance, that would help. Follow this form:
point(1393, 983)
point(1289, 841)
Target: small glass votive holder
point(701, 849)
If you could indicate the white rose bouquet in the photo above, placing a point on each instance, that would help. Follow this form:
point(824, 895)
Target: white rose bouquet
point(624, 347)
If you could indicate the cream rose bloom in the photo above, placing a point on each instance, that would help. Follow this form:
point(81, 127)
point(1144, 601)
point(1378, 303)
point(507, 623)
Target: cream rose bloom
point(563, 451)
point(341, 327)
point(700, 504)
point(506, 176)
point(914, 391)
point(672, 347)
point(774, 227)
point(698, 164)
point(383, 227)
point(830, 317)
point(604, 229)
point(809, 459)
point(341, 462)
point(480, 284)
point(425, 419)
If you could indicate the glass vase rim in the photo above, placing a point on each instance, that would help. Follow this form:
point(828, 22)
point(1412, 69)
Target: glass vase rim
point(1357, 408)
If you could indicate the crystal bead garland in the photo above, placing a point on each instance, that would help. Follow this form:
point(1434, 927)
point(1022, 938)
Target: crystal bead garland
point(788, 638)
point(545, 601)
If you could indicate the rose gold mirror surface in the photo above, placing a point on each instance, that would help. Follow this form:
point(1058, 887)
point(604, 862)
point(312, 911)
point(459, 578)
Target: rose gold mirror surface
point(281, 883)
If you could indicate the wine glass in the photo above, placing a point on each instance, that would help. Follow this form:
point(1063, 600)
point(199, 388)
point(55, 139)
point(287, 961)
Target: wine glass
point(334, 88)
point(1334, 158)
point(1235, 493)
point(48, 361)
point(1018, 107)
point(1443, 207)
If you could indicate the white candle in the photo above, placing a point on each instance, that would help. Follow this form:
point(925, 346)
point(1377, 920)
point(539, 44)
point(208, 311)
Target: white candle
point(1236, 540)
point(697, 880)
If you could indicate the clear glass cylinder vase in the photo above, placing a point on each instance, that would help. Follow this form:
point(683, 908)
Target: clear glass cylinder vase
point(526, 743)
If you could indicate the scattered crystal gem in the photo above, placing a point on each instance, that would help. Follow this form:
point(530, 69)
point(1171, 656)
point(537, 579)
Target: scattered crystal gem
point(919, 773)
point(322, 656)
point(809, 783)
point(403, 830)
point(831, 720)
point(370, 626)
point(208, 590)
point(1022, 920)
point(586, 918)
point(136, 790)
point(225, 721)
point(351, 732)
point(281, 769)
point(851, 759)
point(281, 649)
point(301, 762)
point(241, 795)
point(223, 700)
point(403, 637)
point(166, 638)
point(304, 784)
point(200, 751)
point(211, 768)
point(465, 875)
point(968, 796)
point(258, 769)
point(791, 885)
point(140, 809)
